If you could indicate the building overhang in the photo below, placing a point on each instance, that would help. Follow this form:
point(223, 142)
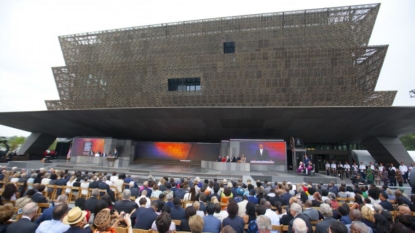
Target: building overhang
point(213, 124)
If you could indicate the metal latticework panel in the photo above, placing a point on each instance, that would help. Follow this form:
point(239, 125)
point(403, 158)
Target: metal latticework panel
point(316, 57)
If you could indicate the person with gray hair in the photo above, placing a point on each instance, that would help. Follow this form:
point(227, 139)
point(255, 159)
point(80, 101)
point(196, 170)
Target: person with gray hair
point(47, 213)
point(356, 217)
point(359, 227)
point(299, 226)
point(264, 224)
point(377, 208)
point(25, 223)
point(296, 211)
point(126, 205)
point(327, 213)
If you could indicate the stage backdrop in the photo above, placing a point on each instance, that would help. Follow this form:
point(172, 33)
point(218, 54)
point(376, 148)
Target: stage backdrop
point(176, 150)
point(82, 146)
point(276, 149)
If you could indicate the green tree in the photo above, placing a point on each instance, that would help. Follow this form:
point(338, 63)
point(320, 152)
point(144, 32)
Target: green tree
point(53, 145)
point(408, 141)
point(15, 141)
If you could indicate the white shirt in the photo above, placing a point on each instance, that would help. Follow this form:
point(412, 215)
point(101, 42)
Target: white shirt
point(392, 168)
point(380, 168)
point(221, 215)
point(362, 167)
point(275, 220)
point(333, 166)
point(327, 166)
point(403, 168)
point(148, 203)
point(354, 166)
point(242, 207)
point(347, 167)
point(372, 166)
point(260, 151)
point(340, 165)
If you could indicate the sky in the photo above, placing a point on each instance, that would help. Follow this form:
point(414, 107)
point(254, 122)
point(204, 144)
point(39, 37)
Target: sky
point(29, 44)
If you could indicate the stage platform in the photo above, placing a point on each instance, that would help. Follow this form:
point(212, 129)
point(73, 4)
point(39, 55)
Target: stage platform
point(140, 172)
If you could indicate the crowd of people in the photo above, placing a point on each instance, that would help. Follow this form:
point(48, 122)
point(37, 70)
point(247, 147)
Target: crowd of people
point(194, 205)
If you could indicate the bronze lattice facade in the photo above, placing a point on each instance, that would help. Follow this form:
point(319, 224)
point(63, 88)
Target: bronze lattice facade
point(316, 57)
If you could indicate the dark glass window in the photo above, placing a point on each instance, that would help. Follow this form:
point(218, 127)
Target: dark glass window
point(229, 47)
point(184, 84)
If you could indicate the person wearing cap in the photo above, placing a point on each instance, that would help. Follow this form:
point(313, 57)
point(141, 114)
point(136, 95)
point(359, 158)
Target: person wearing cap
point(76, 219)
point(55, 225)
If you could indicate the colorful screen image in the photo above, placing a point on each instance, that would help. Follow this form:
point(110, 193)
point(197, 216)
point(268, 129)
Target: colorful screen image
point(88, 146)
point(176, 150)
point(264, 151)
point(82, 146)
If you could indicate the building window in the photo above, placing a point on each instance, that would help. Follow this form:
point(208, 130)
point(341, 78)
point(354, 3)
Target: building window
point(184, 84)
point(229, 47)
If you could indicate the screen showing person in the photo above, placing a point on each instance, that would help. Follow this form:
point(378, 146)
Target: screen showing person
point(262, 154)
point(263, 151)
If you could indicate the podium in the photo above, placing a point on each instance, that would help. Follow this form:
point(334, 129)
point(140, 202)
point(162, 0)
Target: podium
point(111, 161)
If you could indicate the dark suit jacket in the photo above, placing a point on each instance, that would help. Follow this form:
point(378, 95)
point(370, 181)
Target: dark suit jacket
point(263, 157)
point(177, 213)
point(39, 198)
point(125, 205)
point(93, 184)
point(179, 193)
point(322, 226)
point(286, 197)
point(23, 225)
point(306, 220)
point(386, 205)
point(145, 218)
point(90, 204)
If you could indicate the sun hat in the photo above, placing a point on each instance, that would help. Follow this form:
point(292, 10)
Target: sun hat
point(75, 215)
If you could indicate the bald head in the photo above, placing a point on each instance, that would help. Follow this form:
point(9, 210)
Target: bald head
point(355, 215)
point(308, 204)
point(404, 210)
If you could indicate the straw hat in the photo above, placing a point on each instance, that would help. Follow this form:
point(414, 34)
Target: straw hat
point(75, 215)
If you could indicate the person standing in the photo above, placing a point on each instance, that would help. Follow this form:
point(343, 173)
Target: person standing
point(362, 169)
point(306, 160)
point(333, 168)
point(262, 154)
point(327, 168)
point(347, 169)
point(355, 168)
point(404, 171)
point(115, 154)
point(392, 175)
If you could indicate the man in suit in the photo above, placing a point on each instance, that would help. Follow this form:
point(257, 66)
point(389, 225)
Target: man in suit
point(61, 182)
point(177, 212)
point(47, 214)
point(296, 211)
point(146, 215)
point(92, 201)
point(383, 197)
point(327, 213)
point(262, 154)
point(115, 154)
point(180, 192)
point(25, 223)
point(38, 196)
point(310, 212)
point(94, 183)
point(126, 204)
point(286, 196)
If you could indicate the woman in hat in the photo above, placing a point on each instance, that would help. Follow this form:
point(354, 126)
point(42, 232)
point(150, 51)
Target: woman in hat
point(107, 221)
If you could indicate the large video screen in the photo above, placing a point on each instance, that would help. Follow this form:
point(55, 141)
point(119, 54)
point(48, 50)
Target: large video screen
point(82, 146)
point(176, 150)
point(263, 150)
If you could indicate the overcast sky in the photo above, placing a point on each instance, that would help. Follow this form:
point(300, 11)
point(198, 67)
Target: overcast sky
point(29, 44)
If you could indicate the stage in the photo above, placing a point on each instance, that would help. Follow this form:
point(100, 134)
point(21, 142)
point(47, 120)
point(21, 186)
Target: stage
point(140, 172)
